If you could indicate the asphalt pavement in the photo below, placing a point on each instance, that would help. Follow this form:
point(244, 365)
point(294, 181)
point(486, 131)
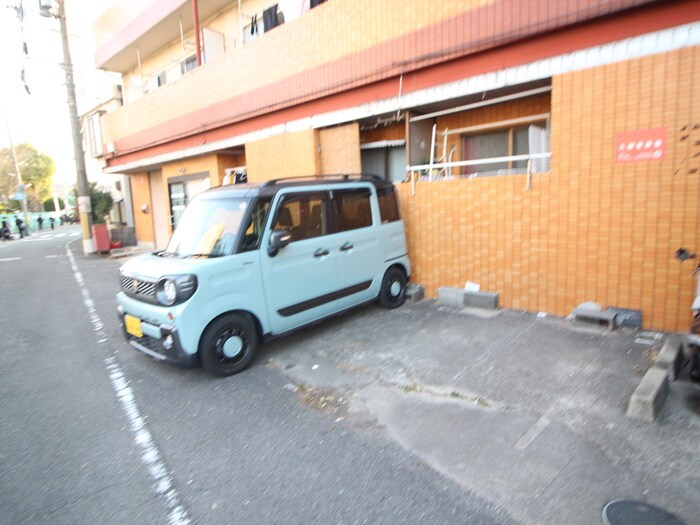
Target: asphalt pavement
point(95, 432)
point(423, 414)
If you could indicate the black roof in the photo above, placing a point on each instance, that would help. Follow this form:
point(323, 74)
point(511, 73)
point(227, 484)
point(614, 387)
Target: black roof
point(271, 187)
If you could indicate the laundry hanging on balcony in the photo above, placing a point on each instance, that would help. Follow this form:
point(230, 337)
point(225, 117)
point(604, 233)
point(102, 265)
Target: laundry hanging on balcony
point(270, 17)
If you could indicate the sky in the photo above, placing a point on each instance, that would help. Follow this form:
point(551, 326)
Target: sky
point(41, 118)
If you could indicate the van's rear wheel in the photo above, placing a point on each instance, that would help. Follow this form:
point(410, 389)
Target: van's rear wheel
point(393, 290)
point(228, 345)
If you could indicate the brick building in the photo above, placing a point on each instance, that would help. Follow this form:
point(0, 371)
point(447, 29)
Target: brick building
point(547, 150)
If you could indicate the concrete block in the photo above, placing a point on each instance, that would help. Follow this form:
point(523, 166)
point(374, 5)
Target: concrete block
point(486, 300)
point(585, 314)
point(415, 293)
point(671, 357)
point(648, 398)
point(451, 296)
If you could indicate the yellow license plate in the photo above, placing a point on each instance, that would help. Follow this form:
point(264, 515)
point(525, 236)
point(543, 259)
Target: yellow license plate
point(133, 325)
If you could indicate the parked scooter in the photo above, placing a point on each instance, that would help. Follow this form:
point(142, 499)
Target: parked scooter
point(692, 348)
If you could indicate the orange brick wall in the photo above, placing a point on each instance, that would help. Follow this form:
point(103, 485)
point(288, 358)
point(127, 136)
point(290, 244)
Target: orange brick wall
point(592, 229)
point(287, 155)
point(340, 150)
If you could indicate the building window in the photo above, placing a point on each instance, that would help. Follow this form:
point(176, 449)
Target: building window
point(506, 150)
point(188, 64)
point(181, 190)
point(94, 135)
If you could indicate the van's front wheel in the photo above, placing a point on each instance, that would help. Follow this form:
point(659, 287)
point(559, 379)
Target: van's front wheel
point(228, 345)
point(393, 290)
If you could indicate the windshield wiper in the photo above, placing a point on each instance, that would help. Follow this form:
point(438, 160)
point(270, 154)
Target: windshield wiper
point(203, 255)
point(164, 253)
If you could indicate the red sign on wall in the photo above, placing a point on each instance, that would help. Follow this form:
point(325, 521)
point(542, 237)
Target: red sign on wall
point(640, 145)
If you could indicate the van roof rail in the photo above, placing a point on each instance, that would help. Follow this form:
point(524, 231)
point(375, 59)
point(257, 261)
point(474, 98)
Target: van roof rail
point(324, 179)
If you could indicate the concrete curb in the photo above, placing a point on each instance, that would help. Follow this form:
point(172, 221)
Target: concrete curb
point(671, 357)
point(648, 398)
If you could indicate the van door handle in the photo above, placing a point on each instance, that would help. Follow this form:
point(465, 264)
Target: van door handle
point(321, 252)
point(345, 247)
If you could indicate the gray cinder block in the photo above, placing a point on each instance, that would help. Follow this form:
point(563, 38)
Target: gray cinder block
point(460, 298)
point(451, 296)
point(487, 300)
point(415, 293)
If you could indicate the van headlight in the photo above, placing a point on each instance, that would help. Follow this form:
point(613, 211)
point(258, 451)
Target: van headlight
point(175, 289)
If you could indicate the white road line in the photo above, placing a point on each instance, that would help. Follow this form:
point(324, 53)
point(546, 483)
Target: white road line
point(163, 485)
point(530, 435)
point(74, 234)
point(51, 256)
point(7, 259)
point(60, 235)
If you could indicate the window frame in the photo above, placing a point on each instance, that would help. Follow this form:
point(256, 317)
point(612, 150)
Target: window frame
point(486, 129)
point(336, 207)
point(290, 197)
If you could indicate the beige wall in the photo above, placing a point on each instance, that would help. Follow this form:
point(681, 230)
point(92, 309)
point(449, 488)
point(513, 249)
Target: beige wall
point(168, 59)
point(326, 33)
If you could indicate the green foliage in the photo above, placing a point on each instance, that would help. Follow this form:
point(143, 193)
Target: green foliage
point(37, 173)
point(101, 202)
point(48, 205)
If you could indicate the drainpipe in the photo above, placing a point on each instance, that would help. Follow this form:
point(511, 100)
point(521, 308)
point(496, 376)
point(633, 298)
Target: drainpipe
point(195, 18)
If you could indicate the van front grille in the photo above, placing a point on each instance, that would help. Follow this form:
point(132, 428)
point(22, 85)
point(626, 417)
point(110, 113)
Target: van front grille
point(138, 287)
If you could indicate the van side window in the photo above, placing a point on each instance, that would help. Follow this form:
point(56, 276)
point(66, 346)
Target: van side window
point(253, 232)
point(303, 216)
point(388, 206)
point(352, 209)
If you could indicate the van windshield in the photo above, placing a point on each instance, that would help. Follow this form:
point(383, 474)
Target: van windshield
point(208, 228)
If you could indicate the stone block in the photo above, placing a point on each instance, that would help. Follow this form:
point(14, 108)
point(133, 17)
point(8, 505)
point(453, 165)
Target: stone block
point(486, 300)
point(648, 398)
point(451, 296)
point(671, 357)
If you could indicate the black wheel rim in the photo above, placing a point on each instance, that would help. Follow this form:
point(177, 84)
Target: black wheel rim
point(223, 347)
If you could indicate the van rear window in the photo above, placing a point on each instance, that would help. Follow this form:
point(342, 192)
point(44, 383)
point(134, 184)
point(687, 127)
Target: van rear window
point(388, 205)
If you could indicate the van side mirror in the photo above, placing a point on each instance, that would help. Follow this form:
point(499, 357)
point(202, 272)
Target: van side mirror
point(278, 239)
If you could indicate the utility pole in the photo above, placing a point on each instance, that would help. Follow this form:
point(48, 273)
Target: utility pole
point(84, 207)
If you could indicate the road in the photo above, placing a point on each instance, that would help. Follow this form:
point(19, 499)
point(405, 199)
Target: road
point(91, 431)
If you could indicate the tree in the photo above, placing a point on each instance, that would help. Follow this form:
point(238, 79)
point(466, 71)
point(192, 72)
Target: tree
point(37, 174)
point(50, 205)
point(101, 202)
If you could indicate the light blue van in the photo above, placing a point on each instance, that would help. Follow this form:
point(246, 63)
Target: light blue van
point(250, 262)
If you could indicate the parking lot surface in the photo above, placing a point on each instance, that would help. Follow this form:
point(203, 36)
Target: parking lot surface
point(526, 411)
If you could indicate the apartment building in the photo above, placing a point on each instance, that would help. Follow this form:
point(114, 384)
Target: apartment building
point(547, 150)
